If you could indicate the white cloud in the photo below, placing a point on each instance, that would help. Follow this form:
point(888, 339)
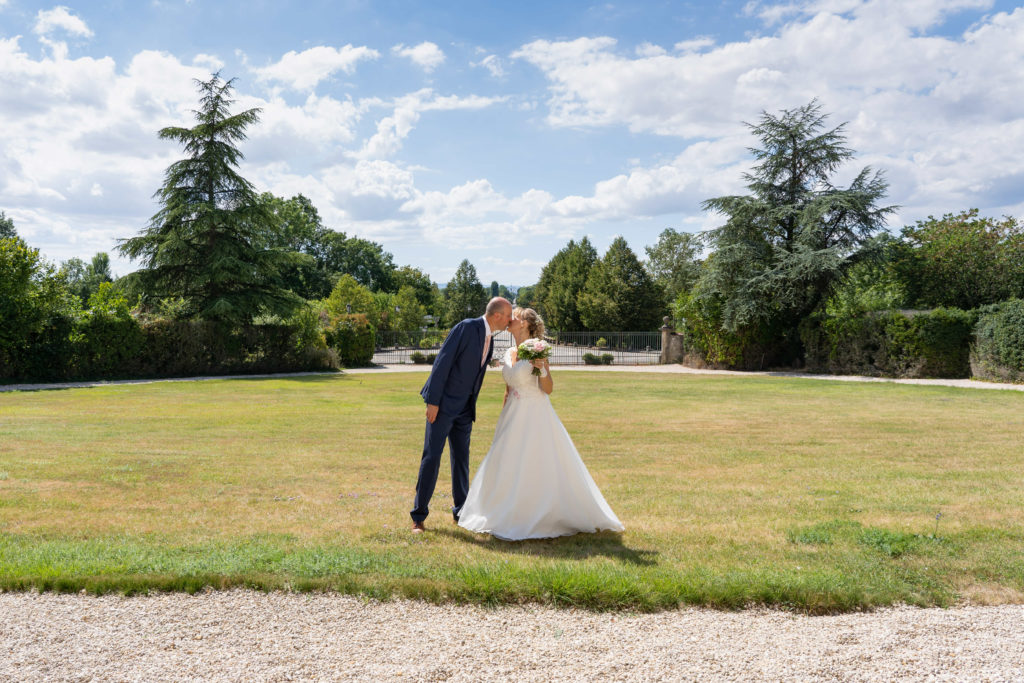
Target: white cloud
point(305, 70)
point(311, 129)
point(60, 18)
point(476, 216)
point(426, 55)
point(771, 14)
point(649, 50)
point(911, 100)
point(208, 62)
point(694, 45)
point(493, 64)
point(393, 129)
point(704, 169)
point(82, 159)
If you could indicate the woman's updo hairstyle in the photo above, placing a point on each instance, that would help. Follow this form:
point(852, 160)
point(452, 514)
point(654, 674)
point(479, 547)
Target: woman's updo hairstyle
point(534, 323)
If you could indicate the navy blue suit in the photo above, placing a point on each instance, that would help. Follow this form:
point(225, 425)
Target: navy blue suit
point(453, 386)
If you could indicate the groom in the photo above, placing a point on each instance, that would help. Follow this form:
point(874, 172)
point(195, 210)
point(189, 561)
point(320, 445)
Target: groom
point(450, 394)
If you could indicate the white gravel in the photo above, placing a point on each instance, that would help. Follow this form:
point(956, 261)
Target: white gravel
point(244, 635)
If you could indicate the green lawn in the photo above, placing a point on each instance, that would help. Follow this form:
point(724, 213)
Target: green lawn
point(818, 496)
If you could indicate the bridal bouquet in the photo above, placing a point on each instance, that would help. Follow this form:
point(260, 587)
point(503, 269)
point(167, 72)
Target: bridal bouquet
point(534, 349)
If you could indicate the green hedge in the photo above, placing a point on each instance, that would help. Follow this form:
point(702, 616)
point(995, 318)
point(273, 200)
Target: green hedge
point(353, 338)
point(176, 348)
point(48, 351)
point(891, 343)
point(998, 349)
point(100, 345)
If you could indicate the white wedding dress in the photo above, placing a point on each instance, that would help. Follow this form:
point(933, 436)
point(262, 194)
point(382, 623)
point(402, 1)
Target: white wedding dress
point(532, 483)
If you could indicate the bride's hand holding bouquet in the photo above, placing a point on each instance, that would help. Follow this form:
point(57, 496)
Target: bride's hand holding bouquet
point(534, 350)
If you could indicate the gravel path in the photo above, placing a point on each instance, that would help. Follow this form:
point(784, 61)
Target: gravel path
point(243, 635)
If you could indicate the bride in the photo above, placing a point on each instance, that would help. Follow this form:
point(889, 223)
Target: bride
point(532, 483)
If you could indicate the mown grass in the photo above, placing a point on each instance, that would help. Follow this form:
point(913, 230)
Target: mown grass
point(735, 491)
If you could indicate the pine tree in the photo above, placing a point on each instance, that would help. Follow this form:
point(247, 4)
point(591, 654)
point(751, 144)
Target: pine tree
point(7, 227)
point(204, 244)
point(561, 282)
point(786, 244)
point(619, 294)
point(464, 297)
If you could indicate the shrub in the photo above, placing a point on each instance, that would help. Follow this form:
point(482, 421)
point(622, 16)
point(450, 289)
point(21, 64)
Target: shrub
point(752, 347)
point(890, 343)
point(601, 343)
point(421, 359)
point(37, 315)
point(591, 359)
point(108, 341)
point(998, 349)
point(431, 342)
point(607, 358)
point(310, 340)
point(353, 339)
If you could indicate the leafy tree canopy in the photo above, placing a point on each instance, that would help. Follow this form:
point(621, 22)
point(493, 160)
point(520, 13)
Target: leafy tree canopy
point(674, 262)
point(962, 260)
point(349, 297)
point(32, 293)
point(364, 260)
point(409, 311)
point(427, 293)
point(527, 297)
point(83, 279)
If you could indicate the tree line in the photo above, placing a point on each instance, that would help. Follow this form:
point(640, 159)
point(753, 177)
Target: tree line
point(793, 251)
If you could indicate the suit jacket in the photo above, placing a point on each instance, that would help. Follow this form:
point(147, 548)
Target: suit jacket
point(456, 376)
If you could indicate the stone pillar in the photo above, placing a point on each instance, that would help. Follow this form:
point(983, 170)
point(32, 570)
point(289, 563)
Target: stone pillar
point(667, 331)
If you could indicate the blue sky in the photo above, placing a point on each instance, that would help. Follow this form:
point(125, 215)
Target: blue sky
point(497, 131)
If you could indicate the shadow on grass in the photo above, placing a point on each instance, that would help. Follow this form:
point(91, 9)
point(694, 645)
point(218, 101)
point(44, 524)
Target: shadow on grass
point(577, 547)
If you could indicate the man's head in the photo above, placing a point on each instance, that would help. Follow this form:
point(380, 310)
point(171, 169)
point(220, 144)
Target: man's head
point(498, 313)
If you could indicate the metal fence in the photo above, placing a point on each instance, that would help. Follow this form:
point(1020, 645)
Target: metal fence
point(570, 348)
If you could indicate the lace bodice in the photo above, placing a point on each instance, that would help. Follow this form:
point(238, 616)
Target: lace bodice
point(519, 377)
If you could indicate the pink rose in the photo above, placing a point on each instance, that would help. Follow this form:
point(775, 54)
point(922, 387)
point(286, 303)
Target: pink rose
point(538, 346)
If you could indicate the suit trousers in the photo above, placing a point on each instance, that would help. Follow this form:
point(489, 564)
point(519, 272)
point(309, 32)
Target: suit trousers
point(456, 429)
